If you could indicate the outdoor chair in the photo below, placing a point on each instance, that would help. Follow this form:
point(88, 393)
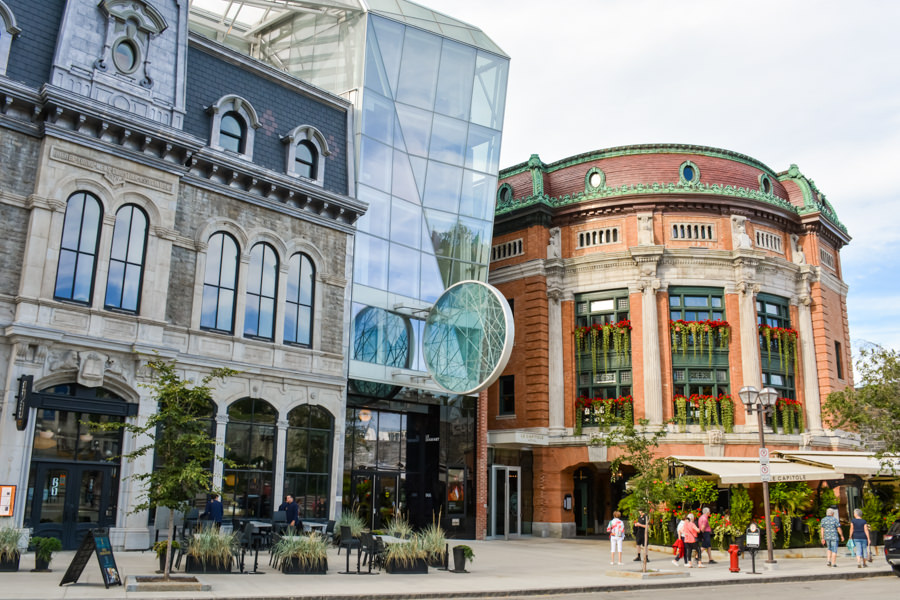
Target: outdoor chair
point(347, 540)
point(329, 531)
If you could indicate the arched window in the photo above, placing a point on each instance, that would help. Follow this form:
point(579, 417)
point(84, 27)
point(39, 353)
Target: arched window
point(298, 305)
point(126, 259)
point(262, 287)
point(8, 31)
point(306, 160)
point(219, 284)
point(78, 248)
point(250, 439)
point(231, 132)
point(307, 460)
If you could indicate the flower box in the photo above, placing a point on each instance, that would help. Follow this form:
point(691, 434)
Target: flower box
point(196, 565)
point(10, 565)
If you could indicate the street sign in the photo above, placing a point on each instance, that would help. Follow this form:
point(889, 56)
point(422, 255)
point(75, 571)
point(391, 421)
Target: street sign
point(763, 455)
point(764, 473)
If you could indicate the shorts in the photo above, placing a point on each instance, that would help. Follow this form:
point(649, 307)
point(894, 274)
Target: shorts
point(615, 544)
point(861, 549)
point(706, 540)
point(831, 545)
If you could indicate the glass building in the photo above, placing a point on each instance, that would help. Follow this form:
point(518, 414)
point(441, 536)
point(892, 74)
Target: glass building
point(430, 93)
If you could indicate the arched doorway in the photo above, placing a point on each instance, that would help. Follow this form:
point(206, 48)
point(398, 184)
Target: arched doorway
point(72, 485)
point(250, 441)
point(307, 461)
point(583, 494)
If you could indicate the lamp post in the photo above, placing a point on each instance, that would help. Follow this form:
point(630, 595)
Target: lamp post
point(762, 402)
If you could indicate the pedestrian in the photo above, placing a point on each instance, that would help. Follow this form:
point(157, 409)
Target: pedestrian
point(616, 531)
point(214, 511)
point(679, 531)
point(291, 512)
point(829, 531)
point(691, 535)
point(859, 533)
point(640, 532)
point(706, 536)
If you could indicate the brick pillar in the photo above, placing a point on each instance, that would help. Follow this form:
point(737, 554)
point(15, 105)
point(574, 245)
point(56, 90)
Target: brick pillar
point(481, 467)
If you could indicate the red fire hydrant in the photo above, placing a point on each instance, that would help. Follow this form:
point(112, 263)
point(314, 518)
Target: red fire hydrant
point(733, 550)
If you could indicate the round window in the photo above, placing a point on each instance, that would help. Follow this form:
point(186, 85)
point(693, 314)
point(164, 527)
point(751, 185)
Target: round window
point(688, 173)
point(125, 56)
point(596, 180)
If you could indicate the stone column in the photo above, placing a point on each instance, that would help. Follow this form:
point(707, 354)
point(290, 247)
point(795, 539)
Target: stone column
point(750, 362)
point(652, 366)
point(280, 451)
point(811, 397)
point(555, 388)
point(221, 424)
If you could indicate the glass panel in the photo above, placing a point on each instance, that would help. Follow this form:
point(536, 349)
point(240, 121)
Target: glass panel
point(405, 221)
point(296, 458)
point(415, 125)
point(89, 496)
point(389, 35)
point(224, 310)
point(442, 187)
point(602, 305)
point(696, 301)
point(716, 302)
point(432, 285)
point(229, 262)
point(483, 149)
point(377, 219)
point(477, 196)
point(90, 225)
point(404, 185)
point(138, 237)
point(114, 284)
point(370, 261)
point(404, 271)
point(513, 516)
point(442, 227)
point(378, 118)
point(419, 68)
point(448, 140)
point(474, 240)
point(54, 495)
point(489, 90)
point(119, 249)
point(454, 94)
point(72, 222)
point(375, 164)
point(84, 273)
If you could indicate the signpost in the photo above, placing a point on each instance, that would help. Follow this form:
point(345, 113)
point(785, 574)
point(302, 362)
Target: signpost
point(96, 541)
point(25, 385)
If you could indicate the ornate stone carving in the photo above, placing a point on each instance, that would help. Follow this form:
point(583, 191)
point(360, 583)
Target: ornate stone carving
point(797, 250)
point(64, 360)
point(645, 229)
point(716, 437)
point(739, 228)
point(554, 248)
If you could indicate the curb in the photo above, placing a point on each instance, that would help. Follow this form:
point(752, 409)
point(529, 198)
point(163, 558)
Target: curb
point(680, 583)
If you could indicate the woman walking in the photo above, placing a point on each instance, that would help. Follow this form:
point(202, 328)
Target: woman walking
point(829, 530)
point(859, 533)
point(691, 533)
point(616, 531)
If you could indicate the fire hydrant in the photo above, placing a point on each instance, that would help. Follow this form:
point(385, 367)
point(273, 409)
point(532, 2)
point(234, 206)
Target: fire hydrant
point(733, 550)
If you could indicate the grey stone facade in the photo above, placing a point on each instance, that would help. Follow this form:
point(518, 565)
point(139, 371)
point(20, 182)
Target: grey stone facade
point(119, 138)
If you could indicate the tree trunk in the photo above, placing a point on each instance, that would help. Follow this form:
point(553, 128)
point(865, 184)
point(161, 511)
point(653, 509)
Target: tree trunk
point(168, 568)
point(646, 545)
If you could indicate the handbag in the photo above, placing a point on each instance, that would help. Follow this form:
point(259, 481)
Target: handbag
point(850, 545)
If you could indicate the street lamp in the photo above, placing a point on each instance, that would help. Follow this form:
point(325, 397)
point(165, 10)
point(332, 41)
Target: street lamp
point(762, 402)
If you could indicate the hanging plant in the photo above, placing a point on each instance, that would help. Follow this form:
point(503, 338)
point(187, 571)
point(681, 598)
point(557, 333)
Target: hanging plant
point(698, 334)
point(786, 340)
point(791, 412)
point(727, 406)
point(681, 413)
point(606, 334)
point(700, 403)
point(579, 338)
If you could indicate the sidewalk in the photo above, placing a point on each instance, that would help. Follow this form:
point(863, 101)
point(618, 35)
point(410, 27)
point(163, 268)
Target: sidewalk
point(501, 568)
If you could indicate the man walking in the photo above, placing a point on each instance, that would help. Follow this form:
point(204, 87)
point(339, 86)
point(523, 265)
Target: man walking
point(706, 536)
point(640, 529)
point(291, 512)
point(213, 511)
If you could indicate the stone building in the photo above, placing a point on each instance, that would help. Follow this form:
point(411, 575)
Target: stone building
point(163, 195)
point(653, 282)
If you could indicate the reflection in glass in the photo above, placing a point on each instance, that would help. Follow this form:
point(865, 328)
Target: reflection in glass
point(300, 293)
point(262, 287)
point(375, 164)
point(442, 187)
point(406, 221)
point(126, 259)
point(381, 337)
point(419, 68)
point(370, 261)
point(404, 184)
point(250, 442)
point(483, 149)
point(219, 283)
point(454, 95)
point(415, 126)
point(448, 140)
point(378, 118)
point(389, 36)
point(489, 91)
point(78, 248)
point(478, 195)
point(377, 219)
point(308, 459)
point(403, 275)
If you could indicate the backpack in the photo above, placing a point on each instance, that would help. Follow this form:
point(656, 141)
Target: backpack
point(616, 528)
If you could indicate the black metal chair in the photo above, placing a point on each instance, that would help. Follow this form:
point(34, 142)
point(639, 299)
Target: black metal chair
point(329, 531)
point(349, 542)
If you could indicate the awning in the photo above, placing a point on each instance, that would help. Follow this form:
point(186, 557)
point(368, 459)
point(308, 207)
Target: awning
point(850, 463)
point(733, 470)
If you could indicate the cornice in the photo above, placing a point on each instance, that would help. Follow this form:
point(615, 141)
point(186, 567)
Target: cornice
point(639, 149)
point(524, 270)
point(814, 201)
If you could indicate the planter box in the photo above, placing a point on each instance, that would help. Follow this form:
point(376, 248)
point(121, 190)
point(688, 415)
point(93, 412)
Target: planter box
point(418, 566)
point(195, 565)
point(11, 564)
point(293, 567)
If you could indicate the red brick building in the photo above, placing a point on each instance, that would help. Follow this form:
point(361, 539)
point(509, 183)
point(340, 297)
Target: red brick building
point(653, 282)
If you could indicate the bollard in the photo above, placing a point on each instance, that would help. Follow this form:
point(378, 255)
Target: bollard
point(733, 550)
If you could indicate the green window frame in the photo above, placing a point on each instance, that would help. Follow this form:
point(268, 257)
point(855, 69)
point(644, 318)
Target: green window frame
point(613, 375)
point(704, 373)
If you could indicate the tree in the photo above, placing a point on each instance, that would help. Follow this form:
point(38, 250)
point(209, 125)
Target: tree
point(872, 408)
point(648, 484)
point(180, 441)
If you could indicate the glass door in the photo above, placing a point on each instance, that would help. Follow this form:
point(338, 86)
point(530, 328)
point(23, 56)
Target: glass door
point(505, 517)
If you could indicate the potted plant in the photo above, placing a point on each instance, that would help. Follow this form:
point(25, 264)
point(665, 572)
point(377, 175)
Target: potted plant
point(399, 527)
point(406, 557)
point(434, 541)
point(9, 548)
point(301, 554)
point(461, 554)
point(211, 551)
point(160, 549)
point(44, 547)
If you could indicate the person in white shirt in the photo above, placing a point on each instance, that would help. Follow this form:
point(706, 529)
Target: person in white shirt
point(616, 531)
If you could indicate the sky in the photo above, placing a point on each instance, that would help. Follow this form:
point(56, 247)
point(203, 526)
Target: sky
point(814, 83)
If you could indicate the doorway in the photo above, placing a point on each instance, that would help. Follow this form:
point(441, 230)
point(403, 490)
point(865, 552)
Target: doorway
point(582, 481)
point(505, 518)
point(379, 496)
point(68, 500)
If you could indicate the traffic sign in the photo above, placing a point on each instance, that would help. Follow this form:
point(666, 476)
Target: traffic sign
point(764, 453)
point(764, 473)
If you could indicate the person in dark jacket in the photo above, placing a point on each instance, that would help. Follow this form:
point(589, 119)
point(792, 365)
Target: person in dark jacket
point(291, 512)
point(213, 511)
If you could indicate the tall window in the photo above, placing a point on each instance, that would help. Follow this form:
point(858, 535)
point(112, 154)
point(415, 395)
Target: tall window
point(698, 367)
point(126, 259)
point(219, 284)
point(307, 461)
point(262, 287)
point(250, 438)
point(231, 132)
point(839, 360)
point(507, 395)
point(778, 359)
point(306, 160)
point(78, 248)
point(298, 314)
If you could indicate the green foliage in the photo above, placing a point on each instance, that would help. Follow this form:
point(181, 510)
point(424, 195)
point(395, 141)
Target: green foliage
point(162, 547)
point(213, 547)
point(352, 520)
point(467, 551)
point(872, 509)
point(790, 497)
point(826, 499)
point(9, 542)
point(693, 492)
point(309, 550)
point(44, 547)
point(741, 508)
point(405, 554)
point(399, 527)
point(872, 406)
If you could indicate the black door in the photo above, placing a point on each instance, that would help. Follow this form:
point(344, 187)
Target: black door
point(378, 497)
point(69, 500)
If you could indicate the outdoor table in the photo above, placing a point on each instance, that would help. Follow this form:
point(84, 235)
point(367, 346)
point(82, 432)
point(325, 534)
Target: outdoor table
point(314, 526)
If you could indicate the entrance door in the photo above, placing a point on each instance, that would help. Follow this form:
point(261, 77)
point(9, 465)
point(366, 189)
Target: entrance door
point(506, 490)
point(582, 493)
point(70, 500)
point(378, 497)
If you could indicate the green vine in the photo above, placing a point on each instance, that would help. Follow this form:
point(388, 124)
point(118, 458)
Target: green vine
point(681, 413)
point(700, 335)
point(727, 413)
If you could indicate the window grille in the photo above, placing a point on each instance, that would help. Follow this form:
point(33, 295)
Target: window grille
point(694, 231)
point(507, 250)
point(598, 237)
point(769, 241)
point(826, 258)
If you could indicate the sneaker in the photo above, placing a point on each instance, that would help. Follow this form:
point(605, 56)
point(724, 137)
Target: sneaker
point(834, 565)
point(701, 566)
point(711, 562)
point(828, 564)
point(690, 566)
point(621, 563)
point(676, 563)
point(858, 566)
point(638, 559)
point(612, 563)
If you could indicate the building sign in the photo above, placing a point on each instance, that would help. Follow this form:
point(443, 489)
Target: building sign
point(7, 500)
point(95, 542)
point(25, 383)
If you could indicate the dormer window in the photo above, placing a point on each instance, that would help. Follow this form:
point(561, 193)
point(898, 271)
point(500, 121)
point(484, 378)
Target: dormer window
point(130, 28)
point(306, 147)
point(8, 30)
point(233, 127)
point(125, 55)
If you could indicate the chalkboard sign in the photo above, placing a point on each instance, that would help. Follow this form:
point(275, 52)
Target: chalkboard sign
point(96, 541)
